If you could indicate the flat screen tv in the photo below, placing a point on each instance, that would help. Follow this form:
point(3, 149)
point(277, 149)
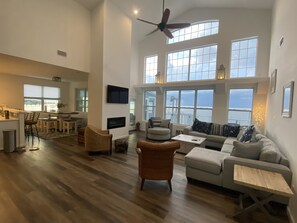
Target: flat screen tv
point(119, 95)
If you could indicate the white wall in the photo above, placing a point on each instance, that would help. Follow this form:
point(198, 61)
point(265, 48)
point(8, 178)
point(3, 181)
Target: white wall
point(234, 24)
point(12, 89)
point(283, 58)
point(36, 29)
point(95, 83)
point(116, 63)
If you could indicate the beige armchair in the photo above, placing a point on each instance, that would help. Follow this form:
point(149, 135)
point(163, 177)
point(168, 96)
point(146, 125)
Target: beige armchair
point(158, 129)
point(155, 160)
point(97, 140)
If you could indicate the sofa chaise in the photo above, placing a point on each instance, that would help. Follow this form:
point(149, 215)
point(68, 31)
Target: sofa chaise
point(216, 167)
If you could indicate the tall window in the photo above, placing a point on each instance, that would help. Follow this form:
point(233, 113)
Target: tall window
point(39, 98)
point(149, 104)
point(243, 58)
point(197, 30)
point(240, 106)
point(151, 67)
point(204, 105)
point(182, 106)
point(194, 64)
point(81, 99)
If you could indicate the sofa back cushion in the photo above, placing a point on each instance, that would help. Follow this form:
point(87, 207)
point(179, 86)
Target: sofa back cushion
point(270, 152)
point(247, 150)
point(231, 130)
point(204, 127)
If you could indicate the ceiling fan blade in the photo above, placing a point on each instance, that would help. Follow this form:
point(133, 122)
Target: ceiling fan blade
point(165, 16)
point(155, 30)
point(168, 33)
point(178, 25)
point(147, 22)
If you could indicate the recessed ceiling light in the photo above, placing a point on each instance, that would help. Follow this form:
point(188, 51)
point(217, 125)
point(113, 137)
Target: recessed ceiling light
point(135, 12)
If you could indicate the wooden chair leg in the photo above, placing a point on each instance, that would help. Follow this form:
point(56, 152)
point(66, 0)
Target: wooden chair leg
point(170, 186)
point(142, 183)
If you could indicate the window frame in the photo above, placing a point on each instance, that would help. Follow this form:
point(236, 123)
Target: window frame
point(42, 98)
point(145, 107)
point(189, 65)
point(85, 101)
point(145, 77)
point(205, 22)
point(242, 110)
point(194, 107)
point(256, 57)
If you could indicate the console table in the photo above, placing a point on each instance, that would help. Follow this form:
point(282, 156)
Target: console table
point(260, 180)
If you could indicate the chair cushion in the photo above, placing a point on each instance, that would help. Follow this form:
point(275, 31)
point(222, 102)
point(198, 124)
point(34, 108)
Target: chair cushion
point(165, 123)
point(206, 160)
point(159, 131)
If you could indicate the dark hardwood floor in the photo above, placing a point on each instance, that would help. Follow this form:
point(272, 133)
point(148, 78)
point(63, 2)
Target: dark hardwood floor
point(61, 183)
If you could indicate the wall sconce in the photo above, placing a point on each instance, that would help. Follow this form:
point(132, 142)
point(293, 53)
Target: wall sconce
point(158, 78)
point(221, 72)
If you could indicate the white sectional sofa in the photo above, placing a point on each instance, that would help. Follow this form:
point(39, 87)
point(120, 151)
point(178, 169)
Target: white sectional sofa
point(216, 167)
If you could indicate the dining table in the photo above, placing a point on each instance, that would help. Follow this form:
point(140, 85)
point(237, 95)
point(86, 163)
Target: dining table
point(62, 115)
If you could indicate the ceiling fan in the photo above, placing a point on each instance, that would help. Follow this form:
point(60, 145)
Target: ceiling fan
point(163, 26)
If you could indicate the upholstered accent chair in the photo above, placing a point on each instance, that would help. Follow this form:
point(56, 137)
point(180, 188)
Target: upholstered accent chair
point(158, 129)
point(97, 140)
point(155, 160)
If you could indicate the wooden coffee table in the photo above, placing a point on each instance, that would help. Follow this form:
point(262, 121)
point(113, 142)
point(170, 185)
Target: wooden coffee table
point(260, 180)
point(188, 142)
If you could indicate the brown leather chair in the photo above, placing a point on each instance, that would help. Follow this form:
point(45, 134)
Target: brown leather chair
point(155, 160)
point(97, 140)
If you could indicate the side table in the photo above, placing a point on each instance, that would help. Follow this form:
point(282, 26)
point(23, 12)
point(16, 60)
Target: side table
point(121, 145)
point(260, 180)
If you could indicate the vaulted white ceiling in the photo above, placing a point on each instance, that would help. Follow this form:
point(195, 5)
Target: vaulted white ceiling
point(151, 10)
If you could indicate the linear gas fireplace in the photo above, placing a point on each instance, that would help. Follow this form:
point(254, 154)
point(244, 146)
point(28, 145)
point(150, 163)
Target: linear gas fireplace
point(116, 122)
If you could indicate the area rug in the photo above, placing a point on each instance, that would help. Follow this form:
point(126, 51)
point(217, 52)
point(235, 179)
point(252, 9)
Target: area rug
point(54, 135)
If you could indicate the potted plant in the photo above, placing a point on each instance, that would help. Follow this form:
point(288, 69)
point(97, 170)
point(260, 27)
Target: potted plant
point(60, 106)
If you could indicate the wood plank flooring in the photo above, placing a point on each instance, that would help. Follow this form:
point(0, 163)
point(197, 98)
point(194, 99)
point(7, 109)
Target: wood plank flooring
point(62, 183)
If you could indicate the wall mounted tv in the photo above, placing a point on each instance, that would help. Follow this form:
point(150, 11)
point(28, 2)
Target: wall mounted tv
point(118, 95)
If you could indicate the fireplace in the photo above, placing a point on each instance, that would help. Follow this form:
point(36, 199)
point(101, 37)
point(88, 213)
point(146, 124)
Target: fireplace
point(116, 122)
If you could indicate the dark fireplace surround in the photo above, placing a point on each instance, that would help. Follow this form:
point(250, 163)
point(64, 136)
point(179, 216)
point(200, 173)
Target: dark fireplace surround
point(116, 122)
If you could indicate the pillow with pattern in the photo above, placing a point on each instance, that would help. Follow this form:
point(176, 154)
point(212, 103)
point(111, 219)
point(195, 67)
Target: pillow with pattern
point(204, 127)
point(247, 134)
point(231, 130)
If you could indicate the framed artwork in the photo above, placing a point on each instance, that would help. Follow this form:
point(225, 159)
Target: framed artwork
point(273, 81)
point(288, 92)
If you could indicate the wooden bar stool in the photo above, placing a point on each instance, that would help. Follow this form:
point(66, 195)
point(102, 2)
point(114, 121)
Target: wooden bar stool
point(50, 125)
point(69, 125)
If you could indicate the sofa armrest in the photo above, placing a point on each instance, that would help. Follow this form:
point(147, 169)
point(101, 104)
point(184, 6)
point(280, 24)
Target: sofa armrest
point(187, 130)
point(228, 169)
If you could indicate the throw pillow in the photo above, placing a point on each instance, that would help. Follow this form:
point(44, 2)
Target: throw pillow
point(247, 134)
point(195, 125)
point(231, 130)
point(165, 123)
point(247, 150)
point(151, 124)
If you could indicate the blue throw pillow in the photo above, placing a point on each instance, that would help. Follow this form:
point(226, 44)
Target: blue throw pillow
point(247, 134)
point(204, 127)
point(231, 130)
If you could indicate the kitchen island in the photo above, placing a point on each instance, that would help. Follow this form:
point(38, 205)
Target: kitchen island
point(15, 122)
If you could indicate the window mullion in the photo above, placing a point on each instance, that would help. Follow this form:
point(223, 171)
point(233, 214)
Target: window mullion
point(189, 64)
